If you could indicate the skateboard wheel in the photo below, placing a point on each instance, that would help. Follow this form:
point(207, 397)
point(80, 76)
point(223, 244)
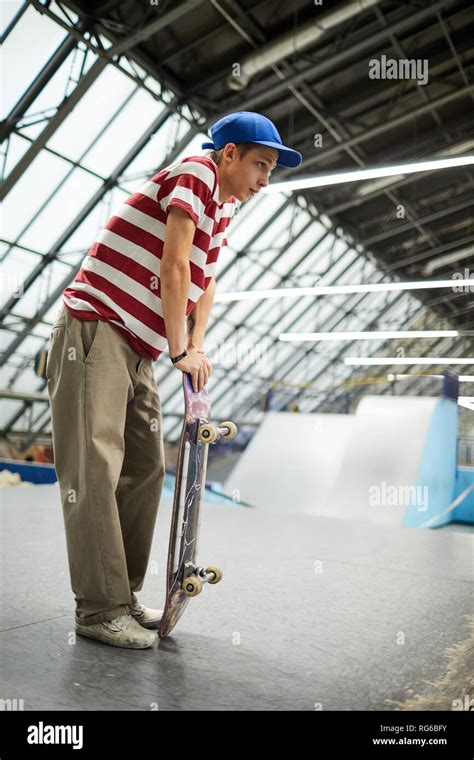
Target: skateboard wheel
point(216, 571)
point(207, 433)
point(192, 586)
point(232, 428)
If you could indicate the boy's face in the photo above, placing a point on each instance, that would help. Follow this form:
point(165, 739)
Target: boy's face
point(249, 173)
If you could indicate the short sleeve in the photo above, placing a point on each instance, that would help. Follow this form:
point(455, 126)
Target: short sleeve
point(189, 185)
point(230, 213)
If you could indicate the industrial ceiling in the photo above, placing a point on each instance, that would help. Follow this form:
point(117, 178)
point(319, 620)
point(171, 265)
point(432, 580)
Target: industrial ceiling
point(111, 92)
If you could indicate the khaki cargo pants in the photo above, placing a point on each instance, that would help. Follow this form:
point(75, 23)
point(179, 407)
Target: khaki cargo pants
point(109, 459)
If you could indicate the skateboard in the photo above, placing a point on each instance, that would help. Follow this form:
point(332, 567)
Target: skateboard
point(185, 578)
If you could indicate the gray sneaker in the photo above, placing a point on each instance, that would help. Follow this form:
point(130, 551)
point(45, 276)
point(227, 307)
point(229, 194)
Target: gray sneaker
point(123, 631)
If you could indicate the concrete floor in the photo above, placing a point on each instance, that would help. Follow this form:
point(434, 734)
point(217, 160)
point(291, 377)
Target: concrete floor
point(308, 614)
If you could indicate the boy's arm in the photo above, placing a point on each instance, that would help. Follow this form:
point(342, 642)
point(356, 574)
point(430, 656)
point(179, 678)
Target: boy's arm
point(198, 318)
point(175, 276)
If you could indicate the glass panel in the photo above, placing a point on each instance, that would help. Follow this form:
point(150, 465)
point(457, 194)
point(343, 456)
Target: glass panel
point(88, 118)
point(32, 131)
point(40, 37)
point(250, 217)
point(62, 209)
point(122, 134)
point(30, 192)
point(61, 83)
point(149, 160)
point(28, 348)
point(17, 147)
point(193, 148)
point(33, 299)
point(8, 11)
point(7, 407)
point(16, 267)
point(276, 236)
point(82, 239)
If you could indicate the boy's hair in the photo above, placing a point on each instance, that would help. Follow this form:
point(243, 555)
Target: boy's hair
point(242, 149)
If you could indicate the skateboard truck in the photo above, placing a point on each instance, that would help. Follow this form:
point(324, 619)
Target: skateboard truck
point(192, 583)
point(209, 433)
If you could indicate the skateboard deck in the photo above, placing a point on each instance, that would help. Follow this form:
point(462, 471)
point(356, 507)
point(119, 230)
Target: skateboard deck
point(184, 577)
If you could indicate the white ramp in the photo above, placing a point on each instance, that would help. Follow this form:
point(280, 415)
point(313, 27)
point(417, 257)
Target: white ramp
point(382, 459)
point(291, 462)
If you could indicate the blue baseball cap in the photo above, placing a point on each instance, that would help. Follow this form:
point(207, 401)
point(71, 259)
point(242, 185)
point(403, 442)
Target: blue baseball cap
point(247, 126)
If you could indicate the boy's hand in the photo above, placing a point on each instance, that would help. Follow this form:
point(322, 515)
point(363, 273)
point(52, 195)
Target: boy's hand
point(198, 366)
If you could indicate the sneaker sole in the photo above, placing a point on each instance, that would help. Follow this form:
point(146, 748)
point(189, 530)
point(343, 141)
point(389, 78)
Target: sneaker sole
point(115, 643)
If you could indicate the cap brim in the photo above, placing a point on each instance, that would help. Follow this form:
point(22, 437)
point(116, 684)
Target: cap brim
point(286, 156)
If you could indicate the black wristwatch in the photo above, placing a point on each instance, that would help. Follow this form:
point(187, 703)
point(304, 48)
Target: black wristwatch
point(175, 359)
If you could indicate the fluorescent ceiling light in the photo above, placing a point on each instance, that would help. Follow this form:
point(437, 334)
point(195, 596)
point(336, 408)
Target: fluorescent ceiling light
point(319, 290)
point(337, 178)
point(364, 362)
point(451, 150)
point(381, 335)
point(461, 378)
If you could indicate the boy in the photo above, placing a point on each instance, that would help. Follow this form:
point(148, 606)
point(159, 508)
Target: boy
point(150, 268)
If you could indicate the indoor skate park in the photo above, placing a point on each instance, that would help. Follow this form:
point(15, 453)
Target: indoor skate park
point(341, 339)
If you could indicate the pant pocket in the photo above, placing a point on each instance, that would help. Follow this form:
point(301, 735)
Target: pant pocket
point(89, 330)
point(54, 348)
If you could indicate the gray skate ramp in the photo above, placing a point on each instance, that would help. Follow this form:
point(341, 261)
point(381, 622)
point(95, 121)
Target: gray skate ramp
point(338, 465)
point(292, 462)
point(384, 451)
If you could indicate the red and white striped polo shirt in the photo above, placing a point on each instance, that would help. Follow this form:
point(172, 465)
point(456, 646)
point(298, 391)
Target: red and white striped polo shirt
point(119, 279)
